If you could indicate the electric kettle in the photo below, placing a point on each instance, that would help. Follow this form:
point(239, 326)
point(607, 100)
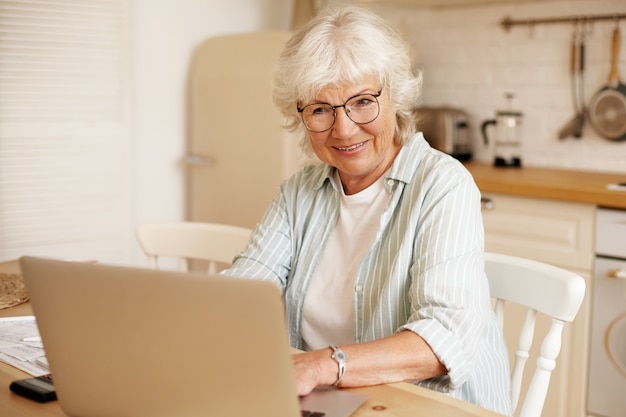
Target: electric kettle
point(507, 141)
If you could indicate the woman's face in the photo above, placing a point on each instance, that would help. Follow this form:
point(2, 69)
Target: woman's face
point(360, 152)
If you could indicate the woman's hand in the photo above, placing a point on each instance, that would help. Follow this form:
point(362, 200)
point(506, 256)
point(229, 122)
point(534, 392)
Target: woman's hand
point(313, 369)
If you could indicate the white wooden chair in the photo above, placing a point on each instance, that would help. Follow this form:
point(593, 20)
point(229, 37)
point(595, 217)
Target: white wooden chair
point(188, 241)
point(539, 287)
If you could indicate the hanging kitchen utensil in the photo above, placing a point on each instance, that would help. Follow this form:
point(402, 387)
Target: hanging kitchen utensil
point(569, 128)
point(574, 127)
point(581, 108)
point(607, 109)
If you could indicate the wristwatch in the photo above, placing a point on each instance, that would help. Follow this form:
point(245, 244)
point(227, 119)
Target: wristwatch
point(341, 358)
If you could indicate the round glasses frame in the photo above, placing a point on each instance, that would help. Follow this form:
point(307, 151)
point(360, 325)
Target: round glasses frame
point(347, 106)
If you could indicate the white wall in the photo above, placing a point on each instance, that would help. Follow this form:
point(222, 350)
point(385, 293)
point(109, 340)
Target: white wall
point(165, 33)
point(469, 61)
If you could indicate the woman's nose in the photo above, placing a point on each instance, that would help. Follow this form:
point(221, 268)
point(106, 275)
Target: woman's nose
point(343, 126)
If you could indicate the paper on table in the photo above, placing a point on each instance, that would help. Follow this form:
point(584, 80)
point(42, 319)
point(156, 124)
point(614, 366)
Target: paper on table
point(15, 351)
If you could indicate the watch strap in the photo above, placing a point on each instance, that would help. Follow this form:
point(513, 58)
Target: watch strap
point(341, 358)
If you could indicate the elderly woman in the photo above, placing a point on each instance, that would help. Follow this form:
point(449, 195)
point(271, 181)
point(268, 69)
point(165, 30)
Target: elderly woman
point(378, 250)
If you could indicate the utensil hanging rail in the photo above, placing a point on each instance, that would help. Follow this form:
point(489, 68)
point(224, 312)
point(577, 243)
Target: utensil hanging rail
point(509, 22)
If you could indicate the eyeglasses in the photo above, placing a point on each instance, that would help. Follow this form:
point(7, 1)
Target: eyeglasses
point(361, 109)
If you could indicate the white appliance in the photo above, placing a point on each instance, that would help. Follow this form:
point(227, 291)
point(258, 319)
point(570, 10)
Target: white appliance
point(238, 150)
point(607, 363)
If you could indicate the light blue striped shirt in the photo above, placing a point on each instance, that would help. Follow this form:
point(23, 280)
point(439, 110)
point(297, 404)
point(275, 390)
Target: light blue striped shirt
point(424, 272)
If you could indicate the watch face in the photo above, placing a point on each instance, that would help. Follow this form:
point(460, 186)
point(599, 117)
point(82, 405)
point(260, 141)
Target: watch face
point(340, 355)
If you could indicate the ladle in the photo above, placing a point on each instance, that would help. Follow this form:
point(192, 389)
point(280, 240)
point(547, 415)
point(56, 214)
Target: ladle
point(577, 65)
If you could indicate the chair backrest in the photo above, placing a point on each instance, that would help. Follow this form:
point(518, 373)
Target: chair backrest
point(538, 287)
point(187, 241)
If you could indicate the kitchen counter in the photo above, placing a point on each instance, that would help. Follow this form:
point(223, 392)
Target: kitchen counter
point(555, 184)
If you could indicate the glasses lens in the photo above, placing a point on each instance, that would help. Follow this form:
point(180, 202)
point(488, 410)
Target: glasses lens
point(318, 117)
point(363, 109)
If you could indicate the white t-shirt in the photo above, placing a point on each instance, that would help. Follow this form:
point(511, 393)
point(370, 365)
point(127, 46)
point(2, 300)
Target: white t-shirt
point(328, 315)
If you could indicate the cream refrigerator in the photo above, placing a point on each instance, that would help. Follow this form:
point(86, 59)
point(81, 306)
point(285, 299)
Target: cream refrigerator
point(238, 151)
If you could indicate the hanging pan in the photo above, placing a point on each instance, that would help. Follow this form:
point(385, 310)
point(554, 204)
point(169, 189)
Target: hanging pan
point(607, 109)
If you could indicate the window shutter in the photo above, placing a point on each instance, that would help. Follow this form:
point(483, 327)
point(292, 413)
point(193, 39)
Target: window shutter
point(64, 129)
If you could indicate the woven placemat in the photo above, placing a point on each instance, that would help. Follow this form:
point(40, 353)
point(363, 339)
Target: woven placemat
point(12, 290)
point(12, 286)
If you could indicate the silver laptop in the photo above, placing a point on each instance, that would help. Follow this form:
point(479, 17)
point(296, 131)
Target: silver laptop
point(145, 343)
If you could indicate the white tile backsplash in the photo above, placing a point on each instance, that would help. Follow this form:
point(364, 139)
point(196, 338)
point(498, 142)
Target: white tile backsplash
point(469, 61)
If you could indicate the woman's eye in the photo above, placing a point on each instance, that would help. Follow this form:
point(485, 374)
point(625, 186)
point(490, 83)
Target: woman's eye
point(363, 101)
point(320, 110)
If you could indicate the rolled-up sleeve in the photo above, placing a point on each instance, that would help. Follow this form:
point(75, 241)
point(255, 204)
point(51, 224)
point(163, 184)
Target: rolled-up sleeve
point(448, 292)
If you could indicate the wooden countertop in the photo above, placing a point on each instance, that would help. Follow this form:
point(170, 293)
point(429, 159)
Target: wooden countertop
point(564, 185)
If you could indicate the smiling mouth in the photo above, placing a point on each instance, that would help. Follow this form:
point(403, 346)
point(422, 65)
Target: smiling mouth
point(351, 148)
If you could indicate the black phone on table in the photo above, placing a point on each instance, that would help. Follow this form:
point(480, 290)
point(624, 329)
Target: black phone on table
point(39, 388)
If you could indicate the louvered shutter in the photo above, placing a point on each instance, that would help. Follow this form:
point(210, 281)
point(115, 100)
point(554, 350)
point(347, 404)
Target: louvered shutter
point(64, 129)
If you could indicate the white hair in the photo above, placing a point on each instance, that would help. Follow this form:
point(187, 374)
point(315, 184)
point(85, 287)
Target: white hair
point(341, 47)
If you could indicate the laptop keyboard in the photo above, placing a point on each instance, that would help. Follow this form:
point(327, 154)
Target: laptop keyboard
point(306, 413)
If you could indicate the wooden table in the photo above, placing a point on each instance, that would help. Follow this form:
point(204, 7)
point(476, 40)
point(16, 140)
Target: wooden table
point(392, 400)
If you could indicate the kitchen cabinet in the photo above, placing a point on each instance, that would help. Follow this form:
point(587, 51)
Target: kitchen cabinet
point(560, 233)
point(555, 232)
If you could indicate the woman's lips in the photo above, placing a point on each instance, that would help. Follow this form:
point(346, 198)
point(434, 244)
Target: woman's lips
point(351, 148)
